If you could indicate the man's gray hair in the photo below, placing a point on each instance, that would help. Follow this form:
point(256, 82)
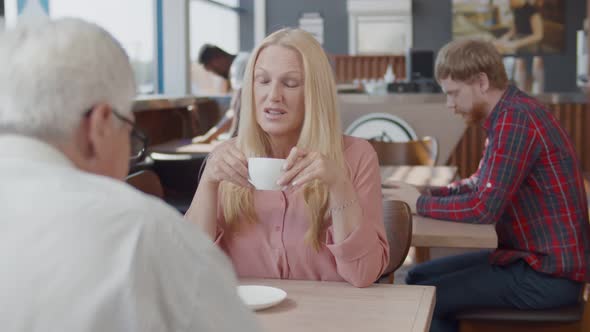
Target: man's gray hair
point(52, 72)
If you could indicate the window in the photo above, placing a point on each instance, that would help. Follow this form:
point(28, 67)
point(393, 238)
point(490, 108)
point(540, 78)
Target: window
point(129, 21)
point(217, 24)
point(10, 13)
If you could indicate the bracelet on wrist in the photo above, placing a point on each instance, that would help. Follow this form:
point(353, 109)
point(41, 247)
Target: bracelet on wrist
point(342, 207)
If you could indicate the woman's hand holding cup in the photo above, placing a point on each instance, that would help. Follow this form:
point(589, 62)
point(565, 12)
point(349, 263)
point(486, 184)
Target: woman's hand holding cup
point(227, 163)
point(303, 166)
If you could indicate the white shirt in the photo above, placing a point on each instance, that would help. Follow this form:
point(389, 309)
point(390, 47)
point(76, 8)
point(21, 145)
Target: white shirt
point(81, 252)
point(237, 70)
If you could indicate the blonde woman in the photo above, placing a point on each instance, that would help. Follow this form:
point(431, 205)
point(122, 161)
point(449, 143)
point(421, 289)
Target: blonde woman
point(326, 223)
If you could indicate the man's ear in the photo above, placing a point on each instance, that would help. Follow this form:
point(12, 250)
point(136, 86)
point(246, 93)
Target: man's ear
point(100, 126)
point(484, 82)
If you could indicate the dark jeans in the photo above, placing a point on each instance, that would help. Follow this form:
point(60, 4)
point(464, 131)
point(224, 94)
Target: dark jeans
point(469, 281)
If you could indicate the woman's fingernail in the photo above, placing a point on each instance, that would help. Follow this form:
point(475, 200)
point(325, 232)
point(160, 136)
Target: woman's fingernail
point(294, 183)
point(285, 188)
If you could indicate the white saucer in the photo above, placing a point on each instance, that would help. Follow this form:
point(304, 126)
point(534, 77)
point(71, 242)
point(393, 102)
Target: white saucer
point(261, 297)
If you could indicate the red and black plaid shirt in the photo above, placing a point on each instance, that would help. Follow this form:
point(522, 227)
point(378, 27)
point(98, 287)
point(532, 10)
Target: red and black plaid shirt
point(529, 183)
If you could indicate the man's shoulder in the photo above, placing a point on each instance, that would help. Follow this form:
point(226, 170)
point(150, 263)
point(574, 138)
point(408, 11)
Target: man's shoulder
point(157, 221)
point(523, 107)
point(526, 101)
point(123, 199)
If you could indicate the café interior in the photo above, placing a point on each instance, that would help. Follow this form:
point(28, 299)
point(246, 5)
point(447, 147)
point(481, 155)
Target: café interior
point(382, 54)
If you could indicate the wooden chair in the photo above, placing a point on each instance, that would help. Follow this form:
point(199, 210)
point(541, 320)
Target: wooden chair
point(574, 318)
point(208, 113)
point(422, 152)
point(413, 153)
point(397, 218)
point(164, 120)
point(146, 181)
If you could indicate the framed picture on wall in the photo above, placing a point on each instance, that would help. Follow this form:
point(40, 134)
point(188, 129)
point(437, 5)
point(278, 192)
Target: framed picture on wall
point(379, 26)
point(514, 26)
point(382, 35)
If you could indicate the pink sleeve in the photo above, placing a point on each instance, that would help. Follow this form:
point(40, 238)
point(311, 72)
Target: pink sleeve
point(362, 257)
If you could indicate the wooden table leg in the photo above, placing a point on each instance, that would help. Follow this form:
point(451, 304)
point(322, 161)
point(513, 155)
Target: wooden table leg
point(422, 254)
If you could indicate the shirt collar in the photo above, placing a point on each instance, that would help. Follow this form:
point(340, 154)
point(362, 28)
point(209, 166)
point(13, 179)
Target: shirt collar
point(31, 149)
point(506, 98)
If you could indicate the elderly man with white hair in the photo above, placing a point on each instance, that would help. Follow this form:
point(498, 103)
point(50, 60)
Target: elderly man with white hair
point(79, 249)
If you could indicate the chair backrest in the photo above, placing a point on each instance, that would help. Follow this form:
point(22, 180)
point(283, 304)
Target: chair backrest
point(397, 218)
point(146, 181)
point(208, 114)
point(164, 120)
point(412, 153)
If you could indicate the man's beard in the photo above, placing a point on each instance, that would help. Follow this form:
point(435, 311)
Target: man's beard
point(477, 114)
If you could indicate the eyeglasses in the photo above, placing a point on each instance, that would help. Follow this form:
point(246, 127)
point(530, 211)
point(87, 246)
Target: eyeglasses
point(137, 138)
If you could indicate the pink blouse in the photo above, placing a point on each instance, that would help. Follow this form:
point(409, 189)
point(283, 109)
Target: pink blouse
point(274, 246)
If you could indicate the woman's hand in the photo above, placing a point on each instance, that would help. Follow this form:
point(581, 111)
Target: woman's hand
point(227, 163)
point(303, 166)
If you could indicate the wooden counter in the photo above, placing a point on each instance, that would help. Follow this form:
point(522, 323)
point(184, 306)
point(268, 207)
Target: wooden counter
point(458, 145)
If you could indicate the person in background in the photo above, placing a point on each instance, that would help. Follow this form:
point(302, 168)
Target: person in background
point(327, 222)
point(80, 249)
point(526, 31)
point(529, 184)
point(230, 67)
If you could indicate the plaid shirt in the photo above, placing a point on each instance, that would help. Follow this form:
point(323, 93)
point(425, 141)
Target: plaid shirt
point(529, 183)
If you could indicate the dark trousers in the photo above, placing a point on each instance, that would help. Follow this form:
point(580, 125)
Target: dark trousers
point(469, 281)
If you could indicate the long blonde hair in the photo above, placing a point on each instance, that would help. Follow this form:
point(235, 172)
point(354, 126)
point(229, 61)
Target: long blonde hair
point(321, 130)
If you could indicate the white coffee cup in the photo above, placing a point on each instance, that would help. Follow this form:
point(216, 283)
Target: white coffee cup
point(265, 172)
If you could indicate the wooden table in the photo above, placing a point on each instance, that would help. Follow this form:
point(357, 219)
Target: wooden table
point(340, 307)
point(427, 232)
point(420, 176)
point(183, 146)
